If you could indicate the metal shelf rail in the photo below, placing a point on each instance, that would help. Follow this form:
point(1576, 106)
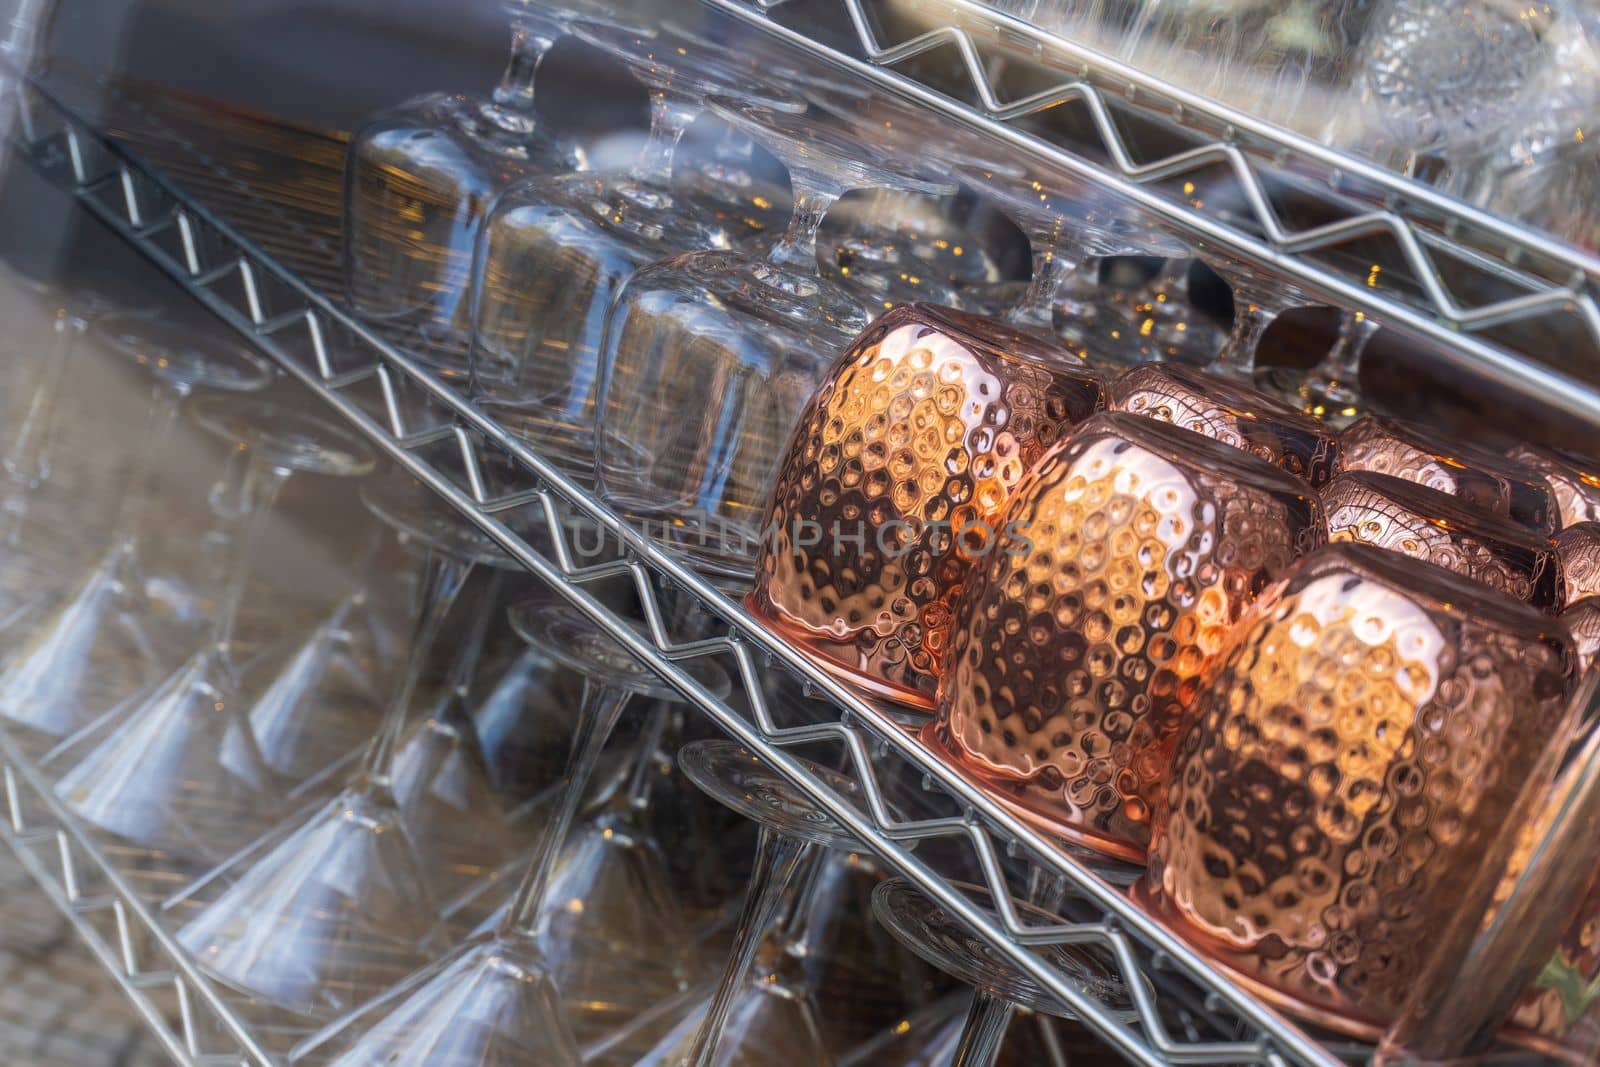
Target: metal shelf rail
point(1184, 1010)
point(1432, 240)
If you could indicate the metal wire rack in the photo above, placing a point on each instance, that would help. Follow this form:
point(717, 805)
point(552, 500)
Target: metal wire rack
point(1185, 1011)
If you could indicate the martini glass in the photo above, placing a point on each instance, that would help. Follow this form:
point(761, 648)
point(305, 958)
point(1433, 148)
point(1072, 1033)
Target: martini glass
point(420, 179)
point(1069, 226)
point(498, 998)
point(335, 907)
point(174, 771)
point(98, 646)
point(945, 942)
point(709, 358)
point(554, 253)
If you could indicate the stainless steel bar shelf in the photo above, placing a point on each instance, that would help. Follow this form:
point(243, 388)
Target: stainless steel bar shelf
point(1481, 288)
point(1185, 1012)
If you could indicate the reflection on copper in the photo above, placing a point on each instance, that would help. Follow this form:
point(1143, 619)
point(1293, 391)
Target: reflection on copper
point(1575, 486)
point(1075, 652)
point(1481, 478)
point(893, 483)
point(1350, 762)
point(1228, 412)
point(1404, 517)
point(1583, 619)
point(1578, 557)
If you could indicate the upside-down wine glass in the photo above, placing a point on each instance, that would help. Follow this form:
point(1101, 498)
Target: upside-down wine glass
point(335, 907)
point(554, 253)
point(179, 770)
point(1164, 324)
point(1068, 226)
point(73, 665)
point(1259, 297)
point(1331, 390)
point(419, 181)
point(499, 996)
point(710, 357)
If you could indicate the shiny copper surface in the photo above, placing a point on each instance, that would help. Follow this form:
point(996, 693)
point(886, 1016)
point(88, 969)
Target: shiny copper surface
point(1075, 653)
point(893, 483)
point(1228, 412)
point(1350, 761)
point(1583, 619)
point(1404, 517)
point(1479, 477)
point(1575, 487)
point(1578, 557)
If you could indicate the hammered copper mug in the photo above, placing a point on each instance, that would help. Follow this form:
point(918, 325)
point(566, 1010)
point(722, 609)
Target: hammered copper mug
point(1482, 479)
point(892, 484)
point(1228, 412)
point(1574, 485)
point(1343, 784)
point(1577, 552)
point(1077, 649)
point(1425, 524)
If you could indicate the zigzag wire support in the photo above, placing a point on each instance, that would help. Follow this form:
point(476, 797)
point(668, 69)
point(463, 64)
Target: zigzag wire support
point(410, 416)
point(1424, 224)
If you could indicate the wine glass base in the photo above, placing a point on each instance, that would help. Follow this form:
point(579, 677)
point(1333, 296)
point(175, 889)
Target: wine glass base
point(1329, 401)
point(944, 941)
point(729, 773)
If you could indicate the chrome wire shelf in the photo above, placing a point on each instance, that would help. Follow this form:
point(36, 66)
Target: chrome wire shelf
point(1344, 230)
point(1185, 1011)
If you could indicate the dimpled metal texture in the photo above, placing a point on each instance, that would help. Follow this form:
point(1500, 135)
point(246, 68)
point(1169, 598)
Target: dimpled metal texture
point(1578, 557)
point(893, 482)
point(1228, 412)
point(1481, 478)
point(1583, 619)
point(1077, 649)
point(1574, 486)
point(1415, 521)
point(1352, 758)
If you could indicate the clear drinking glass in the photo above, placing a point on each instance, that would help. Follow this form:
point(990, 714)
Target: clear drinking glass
point(710, 357)
point(178, 770)
point(499, 997)
point(554, 253)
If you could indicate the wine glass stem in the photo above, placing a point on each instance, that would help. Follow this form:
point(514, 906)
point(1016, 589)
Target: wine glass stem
point(1238, 356)
point(262, 484)
point(670, 115)
point(813, 196)
point(1054, 263)
point(439, 585)
point(1342, 364)
point(983, 1032)
point(638, 791)
point(597, 716)
point(161, 417)
point(778, 857)
point(28, 460)
point(528, 49)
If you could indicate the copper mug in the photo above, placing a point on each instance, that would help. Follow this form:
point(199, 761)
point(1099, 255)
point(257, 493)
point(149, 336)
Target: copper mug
point(1583, 619)
point(1346, 777)
point(1229, 412)
point(1077, 649)
point(1577, 551)
point(1481, 478)
point(893, 482)
point(1574, 485)
point(1404, 517)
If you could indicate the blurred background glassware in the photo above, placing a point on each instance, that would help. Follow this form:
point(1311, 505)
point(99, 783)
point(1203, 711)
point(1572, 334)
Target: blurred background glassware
point(554, 253)
point(336, 904)
point(1322, 857)
point(101, 644)
point(1577, 551)
point(1230, 412)
point(419, 181)
point(500, 996)
point(1574, 483)
point(737, 1024)
point(178, 769)
point(710, 357)
point(1068, 226)
point(1074, 656)
point(939, 937)
point(1425, 524)
point(1481, 478)
point(902, 463)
